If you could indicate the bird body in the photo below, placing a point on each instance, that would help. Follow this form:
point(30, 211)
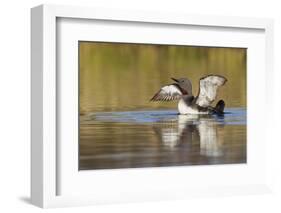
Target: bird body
point(185, 107)
point(187, 103)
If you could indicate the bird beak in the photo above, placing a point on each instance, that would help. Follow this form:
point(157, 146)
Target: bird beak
point(176, 80)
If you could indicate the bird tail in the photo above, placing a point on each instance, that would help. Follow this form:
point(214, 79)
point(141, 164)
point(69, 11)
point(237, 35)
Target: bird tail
point(220, 107)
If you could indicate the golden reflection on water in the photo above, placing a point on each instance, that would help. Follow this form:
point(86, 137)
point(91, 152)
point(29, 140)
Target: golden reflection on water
point(118, 77)
point(183, 140)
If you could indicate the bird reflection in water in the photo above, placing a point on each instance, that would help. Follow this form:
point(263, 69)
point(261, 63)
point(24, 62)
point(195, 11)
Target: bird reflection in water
point(188, 130)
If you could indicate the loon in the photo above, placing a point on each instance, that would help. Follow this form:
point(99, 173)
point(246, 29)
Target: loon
point(181, 91)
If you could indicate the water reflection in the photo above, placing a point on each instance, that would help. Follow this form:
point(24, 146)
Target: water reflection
point(161, 138)
point(190, 128)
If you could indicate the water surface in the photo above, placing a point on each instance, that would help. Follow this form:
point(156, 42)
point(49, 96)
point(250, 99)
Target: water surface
point(155, 138)
point(121, 128)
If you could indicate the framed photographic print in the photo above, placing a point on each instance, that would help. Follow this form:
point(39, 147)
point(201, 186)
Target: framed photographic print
point(130, 106)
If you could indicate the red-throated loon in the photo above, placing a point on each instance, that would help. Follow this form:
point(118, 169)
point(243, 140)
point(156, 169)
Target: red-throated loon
point(188, 104)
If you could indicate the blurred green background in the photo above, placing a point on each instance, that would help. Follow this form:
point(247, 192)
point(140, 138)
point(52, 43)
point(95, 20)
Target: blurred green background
point(122, 77)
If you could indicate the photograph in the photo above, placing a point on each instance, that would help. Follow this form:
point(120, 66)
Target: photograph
point(161, 105)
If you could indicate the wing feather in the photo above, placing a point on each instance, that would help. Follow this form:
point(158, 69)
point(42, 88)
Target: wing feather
point(168, 93)
point(208, 89)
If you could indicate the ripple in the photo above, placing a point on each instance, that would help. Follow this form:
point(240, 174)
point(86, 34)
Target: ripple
point(232, 116)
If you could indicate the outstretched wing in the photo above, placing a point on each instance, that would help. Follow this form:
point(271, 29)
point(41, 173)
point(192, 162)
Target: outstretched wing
point(168, 93)
point(208, 89)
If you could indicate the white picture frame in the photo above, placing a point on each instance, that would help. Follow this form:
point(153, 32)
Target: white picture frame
point(45, 178)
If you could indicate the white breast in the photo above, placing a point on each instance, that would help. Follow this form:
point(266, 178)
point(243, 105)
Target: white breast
point(184, 109)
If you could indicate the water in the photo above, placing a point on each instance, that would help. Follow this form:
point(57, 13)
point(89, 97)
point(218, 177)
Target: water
point(155, 138)
point(121, 128)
